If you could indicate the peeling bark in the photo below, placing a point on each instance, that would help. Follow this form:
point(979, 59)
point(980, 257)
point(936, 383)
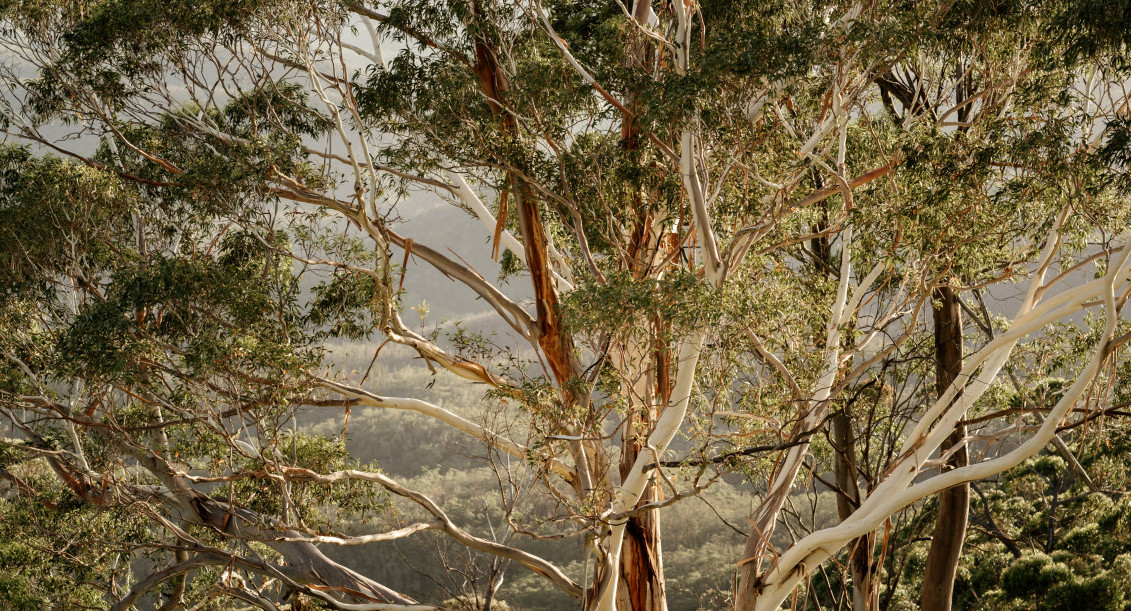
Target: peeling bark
point(556, 345)
point(642, 586)
point(638, 477)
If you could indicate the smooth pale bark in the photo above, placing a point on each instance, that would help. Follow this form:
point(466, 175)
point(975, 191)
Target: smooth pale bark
point(848, 495)
point(954, 503)
point(897, 490)
point(640, 476)
point(765, 518)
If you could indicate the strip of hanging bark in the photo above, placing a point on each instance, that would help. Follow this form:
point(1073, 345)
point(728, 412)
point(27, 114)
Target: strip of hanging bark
point(404, 264)
point(500, 225)
point(558, 348)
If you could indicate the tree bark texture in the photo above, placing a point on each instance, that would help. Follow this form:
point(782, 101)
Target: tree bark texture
point(865, 596)
point(954, 503)
point(641, 582)
point(641, 586)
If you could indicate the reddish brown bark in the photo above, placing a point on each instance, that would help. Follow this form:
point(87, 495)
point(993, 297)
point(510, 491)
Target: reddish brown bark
point(641, 585)
point(954, 503)
point(864, 593)
point(555, 344)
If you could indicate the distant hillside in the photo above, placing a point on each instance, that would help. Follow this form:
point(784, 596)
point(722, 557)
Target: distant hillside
point(431, 221)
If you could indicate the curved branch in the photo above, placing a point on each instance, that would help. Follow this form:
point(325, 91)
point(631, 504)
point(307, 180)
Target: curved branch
point(156, 579)
point(364, 397)
point(898, 489)
point(391, 535)
point(306, 564)
point(511, 312)
point(530, 561)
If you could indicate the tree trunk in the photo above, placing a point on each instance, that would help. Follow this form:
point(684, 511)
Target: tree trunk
point(864, 595)
point(954, 503)
point(641, 585)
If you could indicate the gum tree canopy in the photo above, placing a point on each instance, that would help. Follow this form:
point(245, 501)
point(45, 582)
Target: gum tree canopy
point(807, 245)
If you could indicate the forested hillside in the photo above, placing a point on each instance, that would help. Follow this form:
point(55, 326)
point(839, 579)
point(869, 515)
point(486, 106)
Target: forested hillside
point(430, 458)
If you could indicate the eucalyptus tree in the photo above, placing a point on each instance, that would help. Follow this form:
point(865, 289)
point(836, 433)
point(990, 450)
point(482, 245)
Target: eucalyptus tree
point(731, 217)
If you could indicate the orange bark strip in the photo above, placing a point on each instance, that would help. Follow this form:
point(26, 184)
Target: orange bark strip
point(556, 346)
point(404, 264)
point(500, 225)
point(821, 195)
